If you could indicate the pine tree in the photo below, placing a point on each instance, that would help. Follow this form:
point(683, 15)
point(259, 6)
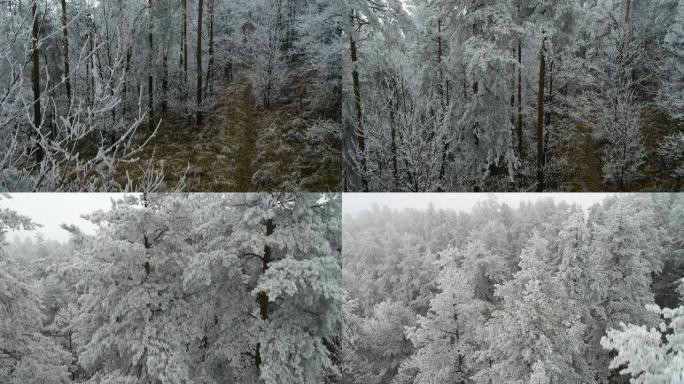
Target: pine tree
point(448, 337)
point(26, 353)
point(650, 355)
point(533, 336)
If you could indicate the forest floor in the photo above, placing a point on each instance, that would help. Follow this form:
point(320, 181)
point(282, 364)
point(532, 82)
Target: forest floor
point(242, 147)
point(658, 175)
point(241, 124)
point(214, 157)
point(585, 157)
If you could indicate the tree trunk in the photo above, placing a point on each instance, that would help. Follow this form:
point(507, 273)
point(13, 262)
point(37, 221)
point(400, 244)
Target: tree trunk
point(476, 126)
point(629, 7)
point(165, 82)
point(549, 98)
point(35, 80)
point(540, 120)
point(199, 62)
point(262, 297)
point(184, 51)
point(393, 144)
point(91, 63)
point(210, 67)
point(150, 76)
point(441, 90)
point(520, 125)
point(357, 106)
point(129, 53)
point(67, 75)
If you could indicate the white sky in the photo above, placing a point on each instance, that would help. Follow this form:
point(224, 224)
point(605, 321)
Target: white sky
point(354, 203)
point(53, 209)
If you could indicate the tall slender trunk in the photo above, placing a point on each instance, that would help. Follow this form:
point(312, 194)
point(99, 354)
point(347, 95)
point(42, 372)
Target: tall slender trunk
point(91, 62)
point(165, 81)
point(35, 79)
point(108, 39)
point(549, 98)
point(210, 67)
point(360, 137)
point(184, 51)
point(540, 119)
point(262, 297)
point(127, 66)
point(520, 124)
point(441, 90)
point(67, 75)
point(290, 24)
point(393, 144)
point(150, 76)
point(51, 113)
point(71, 352)
point(200, 10)
point(628, 9)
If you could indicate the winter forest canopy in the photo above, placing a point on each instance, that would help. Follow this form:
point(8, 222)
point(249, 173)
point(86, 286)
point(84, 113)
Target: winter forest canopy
point(544, 293)
point(198, 95)
point(241, 288)
point(514, 95)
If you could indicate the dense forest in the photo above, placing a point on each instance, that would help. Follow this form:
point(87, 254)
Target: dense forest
point(543, 293)
point(515, 95)
point(206, 95)
point(240, 288)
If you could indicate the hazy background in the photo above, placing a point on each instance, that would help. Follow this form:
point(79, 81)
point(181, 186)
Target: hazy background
point(53, 209)
point(354, 203)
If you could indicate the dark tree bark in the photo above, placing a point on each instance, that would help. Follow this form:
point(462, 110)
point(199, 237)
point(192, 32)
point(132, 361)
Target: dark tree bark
point(67, 74)
point(200, 10)
point(184, 50)
point(150, 76)
point(442, 88)
point(629, 7)
point(129, 53)
point(165, 82)
point(549, 98)
point(520, 124)
point(360, 137)
point(91, 62)
point(393, 136)
point(262, 297)
point(540, 118)
point(210, 67)
point(35, 79)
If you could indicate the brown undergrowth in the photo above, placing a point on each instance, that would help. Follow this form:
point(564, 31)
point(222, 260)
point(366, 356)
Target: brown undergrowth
point(242, 147)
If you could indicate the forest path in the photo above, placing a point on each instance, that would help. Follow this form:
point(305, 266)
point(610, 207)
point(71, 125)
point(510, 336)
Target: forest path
point(237, 112)
point(243, 146)
point(585, 154)
point(218, 156)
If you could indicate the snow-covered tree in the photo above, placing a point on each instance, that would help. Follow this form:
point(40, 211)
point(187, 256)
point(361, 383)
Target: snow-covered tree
point(452, 95)
point(650, 355)
point(26, 353)
point(208, 288)
point(625, 153)
point(673, 86)
point(627, 247)
point(535, 336)
point(447, 338)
